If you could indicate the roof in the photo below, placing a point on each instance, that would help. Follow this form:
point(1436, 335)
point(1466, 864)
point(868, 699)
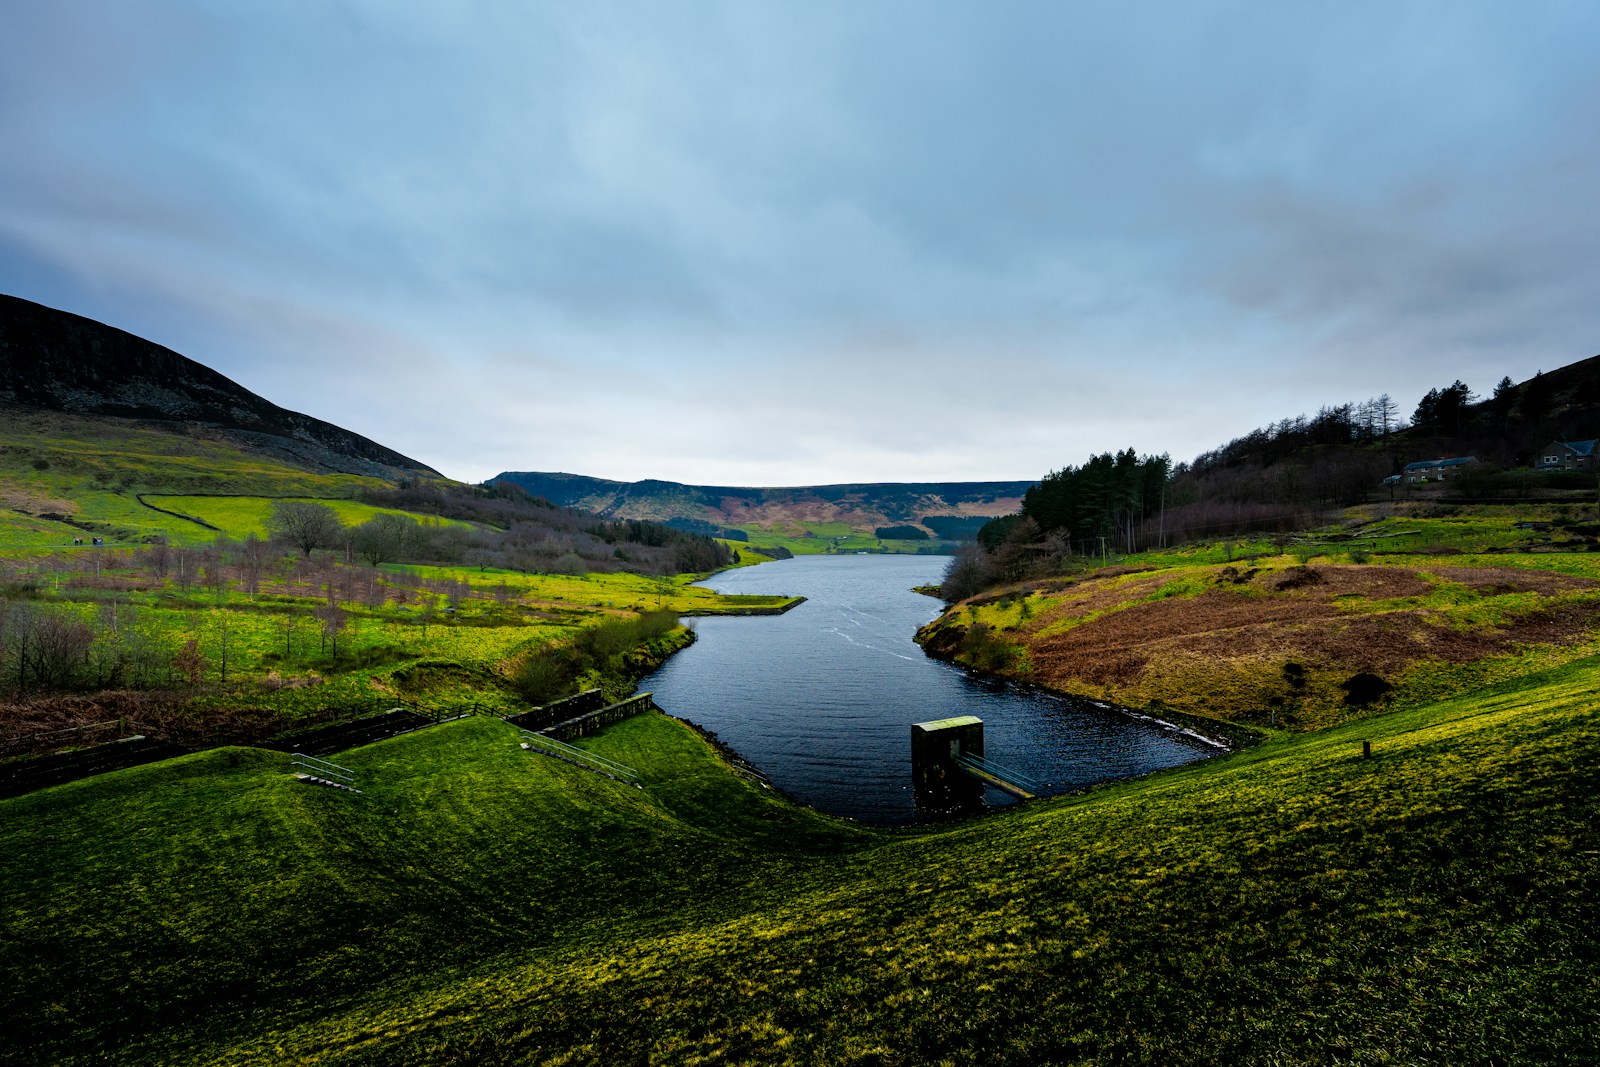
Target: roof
point(1582, 448)
point(1454, 462)
point(945, 724)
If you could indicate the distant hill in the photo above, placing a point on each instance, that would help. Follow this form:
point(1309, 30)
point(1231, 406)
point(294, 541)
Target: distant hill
point(862, 506)
point(55, 361)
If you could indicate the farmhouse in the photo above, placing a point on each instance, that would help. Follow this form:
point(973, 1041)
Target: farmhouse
point(1435, 470)
point(1567, 456)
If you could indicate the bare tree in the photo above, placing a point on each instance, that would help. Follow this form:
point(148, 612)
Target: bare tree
point(254, 558)
point(967, 573)
point(185, 564)
point(305, 524)
point(386, 538)
point(334, 619)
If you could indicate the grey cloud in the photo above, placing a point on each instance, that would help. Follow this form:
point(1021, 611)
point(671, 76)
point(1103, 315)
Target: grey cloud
point(955, 237)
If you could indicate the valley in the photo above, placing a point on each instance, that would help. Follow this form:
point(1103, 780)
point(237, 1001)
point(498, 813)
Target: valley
point(1391, 865)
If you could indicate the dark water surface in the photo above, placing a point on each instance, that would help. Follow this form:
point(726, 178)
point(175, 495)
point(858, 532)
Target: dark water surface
point(822, 698)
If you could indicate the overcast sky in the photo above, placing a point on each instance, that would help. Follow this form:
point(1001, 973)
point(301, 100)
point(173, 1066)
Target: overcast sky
point(793, 243)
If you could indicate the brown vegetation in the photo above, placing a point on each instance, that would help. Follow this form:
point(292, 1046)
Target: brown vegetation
point(1279, 643)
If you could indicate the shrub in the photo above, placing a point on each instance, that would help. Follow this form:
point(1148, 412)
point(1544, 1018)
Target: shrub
point(1363, 689)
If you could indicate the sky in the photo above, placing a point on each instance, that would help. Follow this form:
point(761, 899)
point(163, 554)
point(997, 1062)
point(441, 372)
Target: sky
point(792, 243)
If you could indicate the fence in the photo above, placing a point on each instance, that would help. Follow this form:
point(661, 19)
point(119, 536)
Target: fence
point(1014, 782)
point(322, 772)
point(88, 733)
point(579, 757)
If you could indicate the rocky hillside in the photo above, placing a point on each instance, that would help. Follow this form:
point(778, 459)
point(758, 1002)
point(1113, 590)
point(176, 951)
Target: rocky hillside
point(56, 361)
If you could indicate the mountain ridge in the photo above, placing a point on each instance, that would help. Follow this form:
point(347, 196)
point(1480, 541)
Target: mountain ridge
point(55, 360)
point(859, 504)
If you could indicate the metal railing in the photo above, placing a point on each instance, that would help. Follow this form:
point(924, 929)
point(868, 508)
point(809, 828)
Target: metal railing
point(1013, 782)
point(323, 771)
point(579, 757)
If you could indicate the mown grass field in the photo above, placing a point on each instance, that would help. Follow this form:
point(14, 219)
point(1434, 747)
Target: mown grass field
point(1293, 903)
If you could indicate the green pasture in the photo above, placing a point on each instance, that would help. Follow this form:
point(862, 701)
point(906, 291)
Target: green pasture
point(814, 538)
point(619, 591)
point(1290, 904)
point(92, 471)
point(240, 516)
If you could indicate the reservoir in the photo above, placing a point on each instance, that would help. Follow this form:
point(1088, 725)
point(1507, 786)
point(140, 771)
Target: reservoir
point(822, 698)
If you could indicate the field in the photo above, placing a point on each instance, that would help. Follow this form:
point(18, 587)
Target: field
point(622, 591)
point(813, 538)
point(1290, 904)
point(203, 639)
point(241, 516)
point(62, 476)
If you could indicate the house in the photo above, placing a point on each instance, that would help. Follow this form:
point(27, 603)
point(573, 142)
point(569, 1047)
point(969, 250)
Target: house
point(1435, 470)
point(1567, 456)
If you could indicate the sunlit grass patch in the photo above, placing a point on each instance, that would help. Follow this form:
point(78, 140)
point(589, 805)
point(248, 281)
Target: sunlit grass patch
point(99, 467)
point(240, 516)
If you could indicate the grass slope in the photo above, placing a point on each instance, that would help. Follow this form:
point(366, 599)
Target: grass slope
point(91, 471)
point(240, 516)
point(1275, 637)
point(1289, 904)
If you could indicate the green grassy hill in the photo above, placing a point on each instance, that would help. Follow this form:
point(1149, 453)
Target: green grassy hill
point(63, 475)
point(1294, 903)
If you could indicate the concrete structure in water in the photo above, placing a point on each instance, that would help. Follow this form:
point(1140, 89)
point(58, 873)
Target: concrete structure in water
point(943, 787)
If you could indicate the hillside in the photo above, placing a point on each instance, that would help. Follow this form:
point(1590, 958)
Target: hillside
point(859, 508)
point(1292, 904)
point(55, 361)
point(1397, 604)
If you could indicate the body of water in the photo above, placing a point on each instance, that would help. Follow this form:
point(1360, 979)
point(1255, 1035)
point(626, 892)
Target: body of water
point(822, 698)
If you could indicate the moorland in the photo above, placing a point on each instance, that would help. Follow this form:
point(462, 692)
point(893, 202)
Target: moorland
point(1396, 864)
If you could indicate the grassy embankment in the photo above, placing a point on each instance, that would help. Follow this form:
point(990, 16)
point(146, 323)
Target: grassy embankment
point(1432, 606)
point(1289, 904)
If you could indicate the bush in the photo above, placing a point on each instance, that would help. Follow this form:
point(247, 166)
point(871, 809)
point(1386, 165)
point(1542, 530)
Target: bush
point(983, 650)
point(1363, 689)
point(555, 672)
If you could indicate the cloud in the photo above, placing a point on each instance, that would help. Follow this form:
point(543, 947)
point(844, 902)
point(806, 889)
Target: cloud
point(797, 243)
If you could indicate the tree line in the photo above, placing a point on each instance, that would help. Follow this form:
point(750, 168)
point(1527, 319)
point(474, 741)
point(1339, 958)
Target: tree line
point(1274, 479)
point(510, 529)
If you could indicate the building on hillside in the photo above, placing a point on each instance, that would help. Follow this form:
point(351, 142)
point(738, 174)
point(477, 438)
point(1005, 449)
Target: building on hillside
point(1435, 470)
point(1567, 456)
